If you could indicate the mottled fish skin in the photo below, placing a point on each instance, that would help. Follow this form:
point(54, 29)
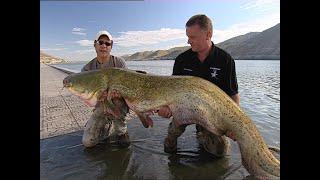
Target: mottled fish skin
point(191, 100)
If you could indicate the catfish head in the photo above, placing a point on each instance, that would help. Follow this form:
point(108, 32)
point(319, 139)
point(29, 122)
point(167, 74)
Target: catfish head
point(88, 85)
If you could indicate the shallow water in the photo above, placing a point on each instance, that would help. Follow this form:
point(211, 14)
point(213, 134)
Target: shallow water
point(64, 157)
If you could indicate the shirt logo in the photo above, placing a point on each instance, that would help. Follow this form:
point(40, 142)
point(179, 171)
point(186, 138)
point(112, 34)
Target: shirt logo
point(187, 69)
point(214, 72)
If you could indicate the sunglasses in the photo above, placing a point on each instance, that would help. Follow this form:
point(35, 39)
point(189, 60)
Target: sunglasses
point(102, 42)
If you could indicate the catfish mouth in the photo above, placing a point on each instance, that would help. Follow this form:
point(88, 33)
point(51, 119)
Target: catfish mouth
point(89, 98)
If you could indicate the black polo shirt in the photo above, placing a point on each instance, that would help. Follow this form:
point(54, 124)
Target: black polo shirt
point(218, 68)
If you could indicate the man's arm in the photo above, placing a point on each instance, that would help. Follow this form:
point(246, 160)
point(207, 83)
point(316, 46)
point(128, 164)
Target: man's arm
point(121, 63)
point(231, 81)
point(165, 111)
point(86, 67)
point(177, 67)
point(236, 99)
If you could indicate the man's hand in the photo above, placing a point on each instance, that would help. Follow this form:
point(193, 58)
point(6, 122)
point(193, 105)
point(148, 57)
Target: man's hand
point(236, 99)
point(115, 94)
point(231, 135)
point(164, 112)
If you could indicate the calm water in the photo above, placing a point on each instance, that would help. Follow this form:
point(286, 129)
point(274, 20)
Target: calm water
point(64, 157)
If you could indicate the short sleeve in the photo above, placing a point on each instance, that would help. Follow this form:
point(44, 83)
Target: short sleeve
point(120, 62)
point(89, 66)
point(231, 78)
point(85, 68)
point(177, 67)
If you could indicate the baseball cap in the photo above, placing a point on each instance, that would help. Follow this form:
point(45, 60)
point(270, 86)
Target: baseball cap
point(100, 33)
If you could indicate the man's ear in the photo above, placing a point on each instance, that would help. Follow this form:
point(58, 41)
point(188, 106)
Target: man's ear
point(209, 35)
point(111, 43)
point(94, 43)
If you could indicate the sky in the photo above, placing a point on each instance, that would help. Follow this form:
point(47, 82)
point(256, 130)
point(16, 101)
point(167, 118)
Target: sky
point(68, 28)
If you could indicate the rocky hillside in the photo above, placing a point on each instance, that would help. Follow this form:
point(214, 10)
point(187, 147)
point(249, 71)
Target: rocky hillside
point(253, 45)
point(48, 59)
point(156, 55)
point(257, 45)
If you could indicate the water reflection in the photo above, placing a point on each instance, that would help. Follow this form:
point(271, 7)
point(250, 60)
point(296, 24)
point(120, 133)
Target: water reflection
point(64, 157)
point(109, 161)
point(197, 165)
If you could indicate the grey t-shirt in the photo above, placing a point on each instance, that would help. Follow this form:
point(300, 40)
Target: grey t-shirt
point(113, 62)
point(120, 126)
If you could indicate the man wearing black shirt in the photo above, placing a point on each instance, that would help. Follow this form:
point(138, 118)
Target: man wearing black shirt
point(209, 62)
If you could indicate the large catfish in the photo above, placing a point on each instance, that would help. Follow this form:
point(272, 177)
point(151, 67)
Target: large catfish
point(192, 100)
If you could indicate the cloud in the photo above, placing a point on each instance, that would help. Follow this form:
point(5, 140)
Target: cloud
point(119, 51)
point(86, 51)
point(76, 55)
point(176, 45)
point(78, 31)
point(85, 42)
point(52, 49)
point(261, 5)
point(80, 55)
point(145, 38)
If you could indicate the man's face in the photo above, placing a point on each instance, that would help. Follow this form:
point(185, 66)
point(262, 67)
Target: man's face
point(197, 37)
point(101, 48)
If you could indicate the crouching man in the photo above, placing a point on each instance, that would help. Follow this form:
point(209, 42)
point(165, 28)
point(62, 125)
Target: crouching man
point(101, 125)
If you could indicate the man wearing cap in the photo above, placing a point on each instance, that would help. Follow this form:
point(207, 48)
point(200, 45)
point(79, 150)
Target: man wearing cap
point(103, 45)
point(103, 126)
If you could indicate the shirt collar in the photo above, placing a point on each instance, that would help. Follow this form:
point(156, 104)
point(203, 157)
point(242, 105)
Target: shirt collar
point(210, 56)
point(211, 51)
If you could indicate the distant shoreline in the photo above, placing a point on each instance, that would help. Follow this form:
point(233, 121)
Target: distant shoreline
point(70, 62)
point(235, 59)
point(61, 69)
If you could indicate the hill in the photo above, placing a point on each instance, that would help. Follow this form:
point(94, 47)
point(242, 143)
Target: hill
point(48, 59)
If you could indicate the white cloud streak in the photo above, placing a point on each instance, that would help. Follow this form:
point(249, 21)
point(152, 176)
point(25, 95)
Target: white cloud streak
point(85, 42)
point(123, 50)
point(260, 4)
point(86, 51)
point(145, 38)
point(53, 49)
point(78, 31)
